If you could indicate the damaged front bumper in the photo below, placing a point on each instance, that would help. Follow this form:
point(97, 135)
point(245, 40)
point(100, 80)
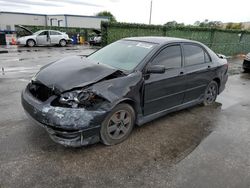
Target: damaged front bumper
point(67, 126)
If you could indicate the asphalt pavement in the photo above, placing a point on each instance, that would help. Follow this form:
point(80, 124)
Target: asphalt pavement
point(197, 147)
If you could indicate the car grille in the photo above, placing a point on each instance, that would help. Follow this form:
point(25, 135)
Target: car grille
point(40, 91)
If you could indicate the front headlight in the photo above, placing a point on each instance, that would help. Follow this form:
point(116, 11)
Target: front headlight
point(79, 98)
point(21, 39)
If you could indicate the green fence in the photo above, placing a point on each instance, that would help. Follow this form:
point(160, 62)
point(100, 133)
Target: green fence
point(228, 42)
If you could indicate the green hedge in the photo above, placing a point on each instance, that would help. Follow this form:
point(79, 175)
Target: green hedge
point(228, 42)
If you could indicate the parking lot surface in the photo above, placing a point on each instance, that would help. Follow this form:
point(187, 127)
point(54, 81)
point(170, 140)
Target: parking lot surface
point(197, 147)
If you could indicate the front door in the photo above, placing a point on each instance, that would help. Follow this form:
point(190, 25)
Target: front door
point(165, 91)
point(43, 38)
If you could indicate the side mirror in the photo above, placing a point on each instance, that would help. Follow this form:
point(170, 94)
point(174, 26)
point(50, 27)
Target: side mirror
point(156, 69)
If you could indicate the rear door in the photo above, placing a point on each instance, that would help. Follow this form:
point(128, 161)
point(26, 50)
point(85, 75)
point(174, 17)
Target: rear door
point(165, 91)
point(198, 71)
point(55, 37)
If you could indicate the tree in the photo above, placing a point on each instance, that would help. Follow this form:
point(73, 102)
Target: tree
point(197, 23)
point(207, 23)
point(107, 14)
point(231, 25)
point(173, 24)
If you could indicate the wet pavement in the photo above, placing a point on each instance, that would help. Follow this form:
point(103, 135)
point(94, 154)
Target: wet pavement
point(197, 147)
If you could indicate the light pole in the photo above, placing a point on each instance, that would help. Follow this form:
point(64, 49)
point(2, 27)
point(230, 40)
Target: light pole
point(150, 11)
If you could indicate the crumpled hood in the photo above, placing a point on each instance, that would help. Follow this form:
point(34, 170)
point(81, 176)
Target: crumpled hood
point(72, 72)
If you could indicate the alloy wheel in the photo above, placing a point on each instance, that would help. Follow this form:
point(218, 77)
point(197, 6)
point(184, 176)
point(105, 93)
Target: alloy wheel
point(31, 43)
point(211, 93)
point(119, 124)
point(62, 43)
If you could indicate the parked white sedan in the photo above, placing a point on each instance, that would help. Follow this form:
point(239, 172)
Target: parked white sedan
point(45, 37)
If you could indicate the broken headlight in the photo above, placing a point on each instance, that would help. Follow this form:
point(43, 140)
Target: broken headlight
point(79, 98)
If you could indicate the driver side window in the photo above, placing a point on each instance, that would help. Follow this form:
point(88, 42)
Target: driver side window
point(170, 57)
point(43, 33)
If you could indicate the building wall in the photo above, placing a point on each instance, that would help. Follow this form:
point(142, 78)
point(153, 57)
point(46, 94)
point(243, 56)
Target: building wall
point(84, 22)
point(55, 22)
point(75, 21)
point(9, 20)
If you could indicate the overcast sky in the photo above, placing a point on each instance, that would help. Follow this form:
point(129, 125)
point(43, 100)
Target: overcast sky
point(137, 11)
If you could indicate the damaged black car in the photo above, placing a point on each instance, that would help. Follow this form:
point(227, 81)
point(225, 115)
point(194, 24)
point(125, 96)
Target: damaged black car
point(101, 97)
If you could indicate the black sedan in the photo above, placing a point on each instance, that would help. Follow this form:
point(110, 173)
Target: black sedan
point(246, 63)
point(83, 100)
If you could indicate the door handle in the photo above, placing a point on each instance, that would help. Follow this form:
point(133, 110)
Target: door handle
point(208, 66)
point(181, 73)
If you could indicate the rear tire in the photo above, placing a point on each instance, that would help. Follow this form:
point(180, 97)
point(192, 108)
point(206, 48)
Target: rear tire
point(118, 125)
point(30, 43)
point(211, 93)
point(62, 43)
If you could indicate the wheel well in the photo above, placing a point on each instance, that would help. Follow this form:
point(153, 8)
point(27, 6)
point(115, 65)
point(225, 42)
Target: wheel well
point(217, 80)
point(31, 39)
point(131, 103)
point(134, 106)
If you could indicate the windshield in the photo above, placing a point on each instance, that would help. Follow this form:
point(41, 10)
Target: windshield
point(123, 55)
point(36, 33)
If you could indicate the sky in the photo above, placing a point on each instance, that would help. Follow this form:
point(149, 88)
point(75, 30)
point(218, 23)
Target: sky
point(137, 11)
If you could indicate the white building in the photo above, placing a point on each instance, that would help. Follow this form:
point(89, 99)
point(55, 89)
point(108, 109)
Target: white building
point(8, 20)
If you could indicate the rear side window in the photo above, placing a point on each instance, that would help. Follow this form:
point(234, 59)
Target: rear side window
point(170, 57)
point(194, 55)
point(54, 33)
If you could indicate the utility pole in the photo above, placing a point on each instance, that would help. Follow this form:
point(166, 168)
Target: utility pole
point(150, 11)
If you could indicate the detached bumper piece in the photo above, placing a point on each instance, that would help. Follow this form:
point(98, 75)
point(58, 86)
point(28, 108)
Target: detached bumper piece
point(73, 138)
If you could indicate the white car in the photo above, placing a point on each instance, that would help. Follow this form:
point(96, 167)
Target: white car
point(45, 37)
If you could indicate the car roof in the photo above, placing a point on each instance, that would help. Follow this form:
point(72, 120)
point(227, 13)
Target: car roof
point(49, 30)
point(166, 40)
point(55, 31)
point(158, 40)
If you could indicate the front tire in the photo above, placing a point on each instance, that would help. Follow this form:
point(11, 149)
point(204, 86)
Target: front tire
point(118, 125)
point(30, 43)
point(62, 43)
point(211, 93)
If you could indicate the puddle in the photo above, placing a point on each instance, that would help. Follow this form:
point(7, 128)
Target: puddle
point(71, 49)
point(19, 69)
point(23, 80)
